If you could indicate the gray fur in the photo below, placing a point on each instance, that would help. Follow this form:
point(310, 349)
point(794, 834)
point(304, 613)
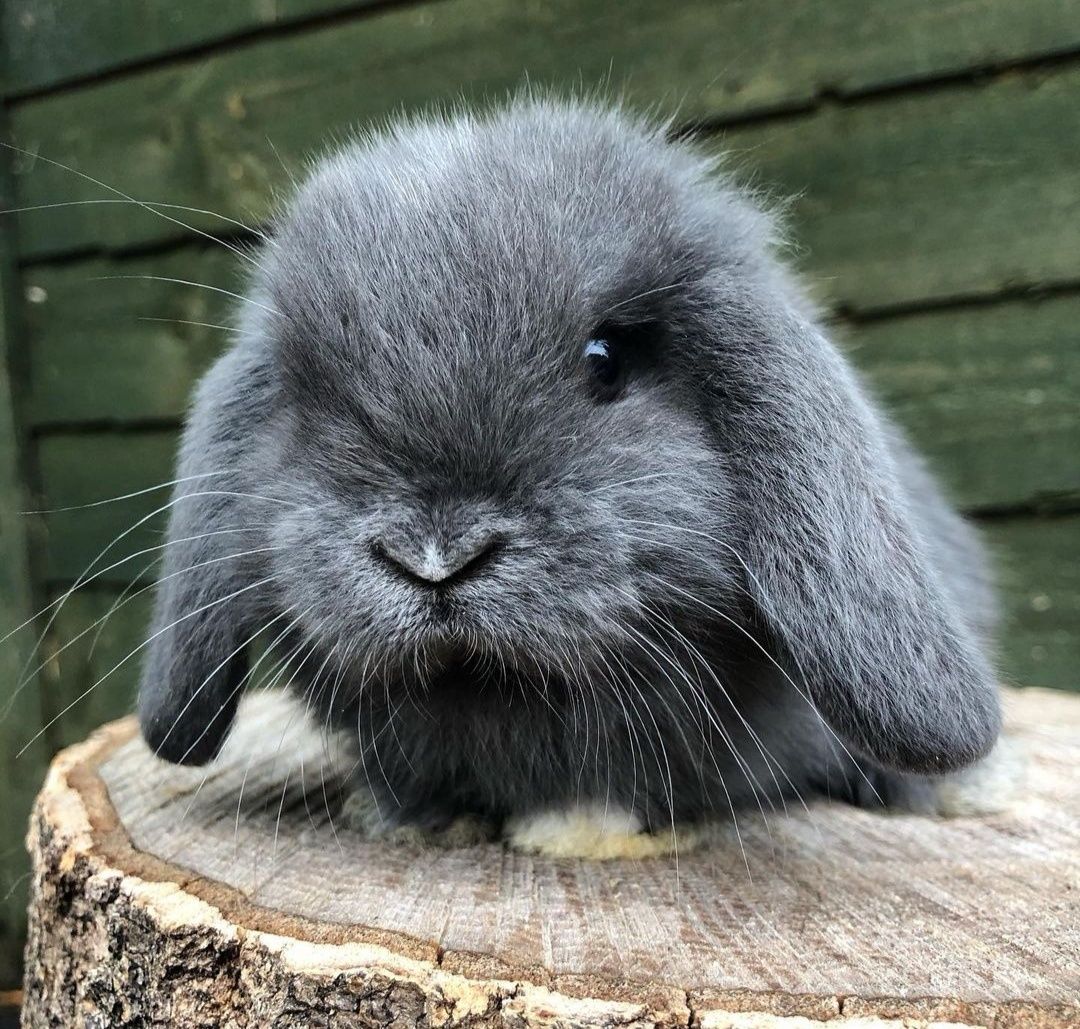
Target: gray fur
point(411, 383)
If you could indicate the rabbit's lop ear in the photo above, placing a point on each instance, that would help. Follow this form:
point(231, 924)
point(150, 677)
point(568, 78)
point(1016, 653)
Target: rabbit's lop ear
point(835, 563)
point(196, 660)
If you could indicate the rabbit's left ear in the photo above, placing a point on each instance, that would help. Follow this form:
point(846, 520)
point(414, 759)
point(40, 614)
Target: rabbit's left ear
point(834, 561)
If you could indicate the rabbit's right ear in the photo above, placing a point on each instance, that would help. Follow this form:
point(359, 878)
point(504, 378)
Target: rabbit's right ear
point(196, 651)
point(834, 561)
point(196, 659)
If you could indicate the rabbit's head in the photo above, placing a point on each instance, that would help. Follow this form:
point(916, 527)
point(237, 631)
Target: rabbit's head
point(538, 398)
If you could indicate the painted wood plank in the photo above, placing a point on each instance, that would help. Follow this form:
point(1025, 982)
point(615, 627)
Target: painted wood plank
point(20, 713)
point(201, 135)
point(50, 42)
point(86, 469)
point(751, 53)
point(933, 194)
point(108, 345)
point(988, 393)
point(1039, 571)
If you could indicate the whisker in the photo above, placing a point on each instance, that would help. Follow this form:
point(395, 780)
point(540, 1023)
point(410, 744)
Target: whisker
point(202, 325)
point(128, 496)
point(130, 199)
point(191, 614)
point(628, 482)
point(232, 693)
point(147, 204)
point(642, 296)
point(58, 604)
point(772, 660)
point(186, 282)
point(28, 677)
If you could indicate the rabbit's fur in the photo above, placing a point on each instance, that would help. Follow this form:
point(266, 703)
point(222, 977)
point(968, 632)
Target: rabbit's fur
point(727, 581)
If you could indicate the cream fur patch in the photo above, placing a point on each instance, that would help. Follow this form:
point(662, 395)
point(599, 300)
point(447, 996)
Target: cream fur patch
point(595, 832)
point(987, 788)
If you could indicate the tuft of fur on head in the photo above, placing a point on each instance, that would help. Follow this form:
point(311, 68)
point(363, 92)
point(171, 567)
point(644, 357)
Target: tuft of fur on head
point(695, 573)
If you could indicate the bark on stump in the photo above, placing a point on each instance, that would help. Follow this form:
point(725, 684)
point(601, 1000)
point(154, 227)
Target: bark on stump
point(162, 899)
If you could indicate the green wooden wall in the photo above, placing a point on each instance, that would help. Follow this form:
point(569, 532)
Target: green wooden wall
point(932, 147)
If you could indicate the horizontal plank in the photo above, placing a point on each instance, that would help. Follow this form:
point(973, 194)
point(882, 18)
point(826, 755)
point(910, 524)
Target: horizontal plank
point(89, 677)
point(108, 345)
point(987, 392)
point(50, 42)
point(929, 195)
point(758, 52)
point(88, 469)
point(1040, 588)
point(202, 135)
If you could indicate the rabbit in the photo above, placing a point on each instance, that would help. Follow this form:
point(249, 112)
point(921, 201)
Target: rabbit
point(544, 481)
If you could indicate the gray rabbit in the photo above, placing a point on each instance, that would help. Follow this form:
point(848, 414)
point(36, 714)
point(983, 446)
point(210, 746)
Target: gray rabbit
point(552, 494)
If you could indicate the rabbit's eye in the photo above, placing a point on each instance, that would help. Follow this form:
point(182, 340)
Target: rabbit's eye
point(602, 365)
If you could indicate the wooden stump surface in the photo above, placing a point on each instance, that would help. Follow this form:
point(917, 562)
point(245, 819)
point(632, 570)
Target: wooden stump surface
point(238, 896)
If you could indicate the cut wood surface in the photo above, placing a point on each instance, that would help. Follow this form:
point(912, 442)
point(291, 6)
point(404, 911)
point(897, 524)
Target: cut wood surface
point(162, 897)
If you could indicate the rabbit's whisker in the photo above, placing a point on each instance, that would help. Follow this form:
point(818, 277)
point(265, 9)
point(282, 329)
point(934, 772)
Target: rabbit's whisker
point(132, 200)
point(776, 664)
point(129, 496)
point(186, 282)
point(201, 325)
point(628, 482)
point(202, 685)
point(28, 677)
point(249, 676)
point(150, 205)
point(131, 654)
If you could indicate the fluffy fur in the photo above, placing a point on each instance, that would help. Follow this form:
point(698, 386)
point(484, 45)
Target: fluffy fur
point(729, 583)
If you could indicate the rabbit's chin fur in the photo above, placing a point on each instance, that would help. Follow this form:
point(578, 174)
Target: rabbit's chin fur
point(548, 488)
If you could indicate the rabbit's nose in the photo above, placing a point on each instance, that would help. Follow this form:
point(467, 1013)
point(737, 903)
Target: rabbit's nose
point(433, 563)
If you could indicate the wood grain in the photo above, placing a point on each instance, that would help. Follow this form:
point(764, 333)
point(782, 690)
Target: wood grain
point(836, 914)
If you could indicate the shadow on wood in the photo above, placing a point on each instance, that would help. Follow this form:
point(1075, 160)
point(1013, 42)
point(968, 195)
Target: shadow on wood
point(237, 897)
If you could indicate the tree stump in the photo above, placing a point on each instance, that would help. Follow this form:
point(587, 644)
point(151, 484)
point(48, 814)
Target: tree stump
point(234, 897)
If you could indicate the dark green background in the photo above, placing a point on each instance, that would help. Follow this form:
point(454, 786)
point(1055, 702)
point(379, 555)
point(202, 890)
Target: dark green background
point(932, 148)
